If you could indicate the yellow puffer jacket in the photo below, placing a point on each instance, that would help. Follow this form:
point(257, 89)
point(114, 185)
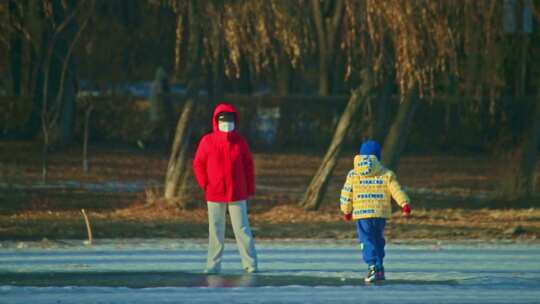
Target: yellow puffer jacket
point(369, 189)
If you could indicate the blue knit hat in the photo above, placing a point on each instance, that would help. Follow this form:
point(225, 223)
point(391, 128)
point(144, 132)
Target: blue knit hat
point(371, 147)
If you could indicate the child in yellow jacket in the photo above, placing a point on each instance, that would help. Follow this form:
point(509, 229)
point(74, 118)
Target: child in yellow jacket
point(366, 197)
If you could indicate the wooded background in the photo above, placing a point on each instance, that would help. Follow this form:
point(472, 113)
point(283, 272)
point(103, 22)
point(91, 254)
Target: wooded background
point(420, 76)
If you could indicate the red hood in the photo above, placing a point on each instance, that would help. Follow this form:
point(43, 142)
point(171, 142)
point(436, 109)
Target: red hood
point(224, 107)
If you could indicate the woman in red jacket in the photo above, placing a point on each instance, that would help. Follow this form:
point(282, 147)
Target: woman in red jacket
point(223, 167)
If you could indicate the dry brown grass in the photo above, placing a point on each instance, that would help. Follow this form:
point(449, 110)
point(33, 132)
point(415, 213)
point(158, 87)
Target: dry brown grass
point(452, 198)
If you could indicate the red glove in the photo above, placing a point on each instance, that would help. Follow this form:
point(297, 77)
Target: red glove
point(347, 217)
point(405, 209)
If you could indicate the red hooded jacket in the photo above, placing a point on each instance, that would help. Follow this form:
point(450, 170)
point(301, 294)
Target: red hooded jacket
point(223, 164)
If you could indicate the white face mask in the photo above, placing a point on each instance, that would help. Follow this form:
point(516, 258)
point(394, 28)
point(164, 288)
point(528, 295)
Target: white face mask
point(225, 126)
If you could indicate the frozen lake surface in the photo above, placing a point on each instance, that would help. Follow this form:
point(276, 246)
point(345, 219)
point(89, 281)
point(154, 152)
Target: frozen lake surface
point(291, 271)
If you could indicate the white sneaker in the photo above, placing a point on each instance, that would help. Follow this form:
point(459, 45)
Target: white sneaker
point(250, 269)
point(371, 275)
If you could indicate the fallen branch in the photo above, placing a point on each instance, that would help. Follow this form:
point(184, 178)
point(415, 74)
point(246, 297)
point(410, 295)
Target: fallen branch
point(88, 228)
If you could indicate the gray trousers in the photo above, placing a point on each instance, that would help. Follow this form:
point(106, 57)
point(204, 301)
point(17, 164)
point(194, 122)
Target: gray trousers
point(242, 233)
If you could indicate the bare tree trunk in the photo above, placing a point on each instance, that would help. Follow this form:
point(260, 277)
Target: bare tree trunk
point(472, 60)
point(44, 156)
point(521, 77)
point(382, 110)
point(183, 186)
point(451, 115)
point(324, 79)
point(317, 188)
point(397, 136)
point(63, 68)
point(87, 113)
point(15, 50)
point(35, 57)
point(323, 57)
point(51, 113)
point(327, 31)
point(284, 75)
point(378, 112)
point(520, 182)
point(178, 45)
point(177, 167)
point(178, 159)
point(244, 82)
point(217, 77)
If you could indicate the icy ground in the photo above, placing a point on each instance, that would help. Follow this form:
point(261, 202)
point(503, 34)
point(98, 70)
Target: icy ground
point(310, 271)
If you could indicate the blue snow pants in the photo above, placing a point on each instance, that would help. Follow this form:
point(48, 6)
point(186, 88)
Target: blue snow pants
point(371, 236)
